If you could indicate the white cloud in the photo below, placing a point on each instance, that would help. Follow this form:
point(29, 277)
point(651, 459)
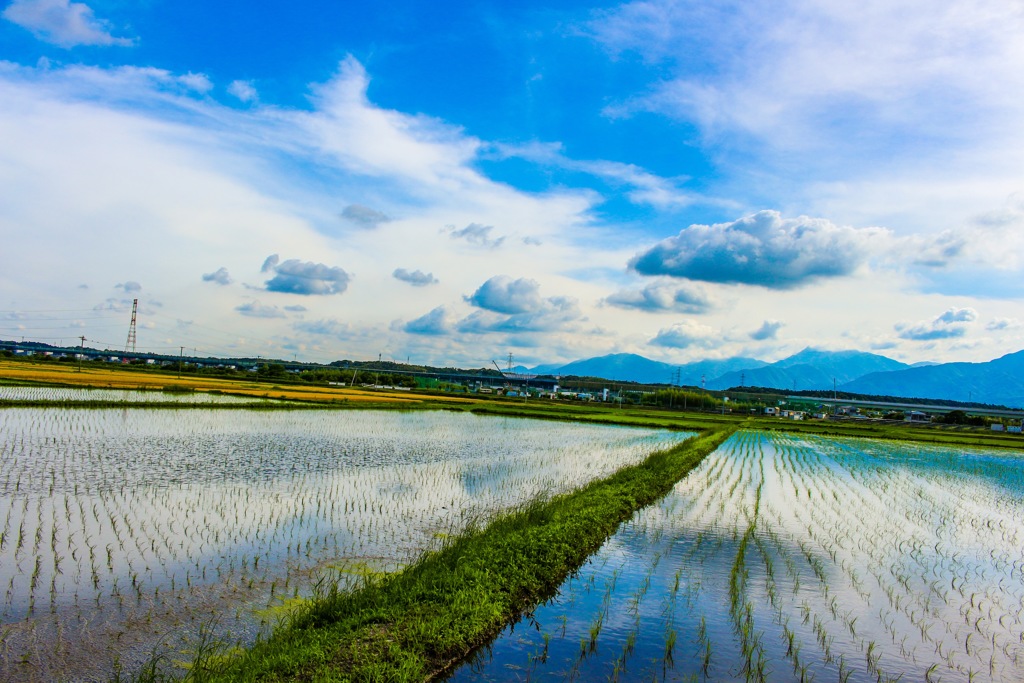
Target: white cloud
point(437, 322)
point(416, 278)
point(999, 324)
point(219, 276)
point(870, 114)
point(502, 294)
point(474, 233)
point(763, 249)
point(255, 309)
point(949, 325)
point(781, 70)
point(687, 334)
point(62, 23)
point(646, 187)
point(364, 216)
point(663, 296)
point(144, 148)
point(304, 277)
point(551, 314)
point(245, 91)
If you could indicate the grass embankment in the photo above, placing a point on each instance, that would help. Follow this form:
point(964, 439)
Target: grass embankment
point(417, 624)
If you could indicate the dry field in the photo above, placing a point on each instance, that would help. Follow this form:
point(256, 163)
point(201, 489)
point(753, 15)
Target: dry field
point(116, 378)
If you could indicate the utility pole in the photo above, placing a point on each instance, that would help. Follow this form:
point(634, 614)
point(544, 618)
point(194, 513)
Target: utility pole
point(181, 355)
point(81, 352)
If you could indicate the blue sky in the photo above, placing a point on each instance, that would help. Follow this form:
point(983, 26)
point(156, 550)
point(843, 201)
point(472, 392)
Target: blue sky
point(449, 184)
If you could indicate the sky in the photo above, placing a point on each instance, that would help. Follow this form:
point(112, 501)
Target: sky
point(450, 183)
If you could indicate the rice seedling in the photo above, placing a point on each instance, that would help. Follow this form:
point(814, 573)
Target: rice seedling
point(901, 562)
point(160, 517)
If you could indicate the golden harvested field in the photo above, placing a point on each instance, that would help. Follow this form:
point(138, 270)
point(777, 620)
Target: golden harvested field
point(117, 378)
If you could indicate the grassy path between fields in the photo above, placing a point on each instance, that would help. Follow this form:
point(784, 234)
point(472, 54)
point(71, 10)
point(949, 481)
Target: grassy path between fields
point(417, 624)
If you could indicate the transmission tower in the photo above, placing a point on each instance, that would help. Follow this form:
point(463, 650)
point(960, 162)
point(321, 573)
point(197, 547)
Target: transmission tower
point(131, 328)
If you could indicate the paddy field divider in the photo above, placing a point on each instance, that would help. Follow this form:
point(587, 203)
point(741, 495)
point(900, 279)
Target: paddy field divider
point(418, 624)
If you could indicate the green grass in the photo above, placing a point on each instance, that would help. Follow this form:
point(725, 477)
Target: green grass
point(417, 624)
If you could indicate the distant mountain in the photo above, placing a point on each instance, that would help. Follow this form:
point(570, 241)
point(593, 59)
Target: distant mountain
point(630, 367)
point(691, 374)
point(617, 366)
point(999, 381)
point(810, 369)
point(548, 369)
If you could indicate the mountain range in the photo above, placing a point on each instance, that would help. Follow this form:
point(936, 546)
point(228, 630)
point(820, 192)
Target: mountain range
point(999, 381)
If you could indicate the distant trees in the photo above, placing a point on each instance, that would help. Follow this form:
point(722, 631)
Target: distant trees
point(680, 398)
point(357, 377)
point(959, 417)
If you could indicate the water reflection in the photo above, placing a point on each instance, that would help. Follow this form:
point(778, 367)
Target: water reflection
point(124, 527)
point(797, 559)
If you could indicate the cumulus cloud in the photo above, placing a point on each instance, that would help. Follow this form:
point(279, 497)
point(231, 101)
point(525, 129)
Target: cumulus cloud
point(502, 294)
point(437, 322)
point(416, 278)
point(62, 23)
point(762, 249)
point(662, 296)
point(245, 91)
point(220, 276)
point(129, 287)
point(551, 314)
point(686, 334)
point(768, 330)
point(254, 309)
point(514, 306)
point(364, 216)
point(474, 233)
point(304, 277)
point(950, 325)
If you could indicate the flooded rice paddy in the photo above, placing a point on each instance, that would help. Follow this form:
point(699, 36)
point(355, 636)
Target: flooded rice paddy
point(125, 530)
point(69, 395)
point(787, 558)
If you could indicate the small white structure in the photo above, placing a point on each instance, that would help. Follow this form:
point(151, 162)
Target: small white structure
point(917, 416)
point(771, 410)
point(997, 427)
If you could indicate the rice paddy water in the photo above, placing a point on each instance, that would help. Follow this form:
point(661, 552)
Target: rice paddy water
point(128, 530)
point(786, 558)
point(68, 395)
